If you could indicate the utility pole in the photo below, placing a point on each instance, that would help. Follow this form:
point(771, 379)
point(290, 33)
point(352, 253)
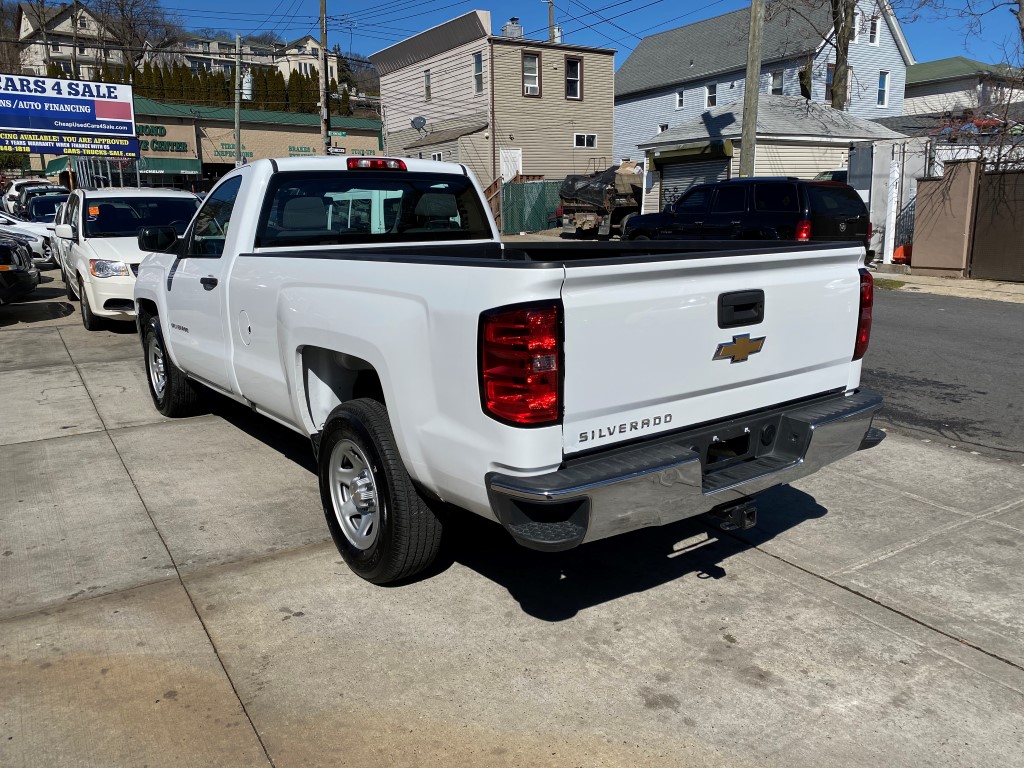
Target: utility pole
point(74, 39)
point(325, 106)
point(238, 101)
point(751, 89)
point(551, 20)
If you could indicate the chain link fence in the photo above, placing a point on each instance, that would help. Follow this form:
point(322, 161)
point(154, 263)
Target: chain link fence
point(529, 206)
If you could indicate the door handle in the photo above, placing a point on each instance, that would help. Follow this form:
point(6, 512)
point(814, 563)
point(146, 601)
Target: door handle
point(735, 222)
point(209, 283)
point(698, 223)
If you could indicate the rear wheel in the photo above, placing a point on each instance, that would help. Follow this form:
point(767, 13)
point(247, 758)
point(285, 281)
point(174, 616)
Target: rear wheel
point(640, 237)
point(173, 394)
point(379, 522)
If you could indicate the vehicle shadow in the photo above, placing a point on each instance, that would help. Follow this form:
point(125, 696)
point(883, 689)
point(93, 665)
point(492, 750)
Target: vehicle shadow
point(556, 586)
point(35, 311)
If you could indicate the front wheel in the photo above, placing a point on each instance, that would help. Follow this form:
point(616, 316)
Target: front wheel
point(379, 522)
point(89, 318)
point(173, 394)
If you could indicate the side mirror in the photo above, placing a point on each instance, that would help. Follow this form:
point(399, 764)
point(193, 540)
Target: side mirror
point(159, 239)
point(63, 231)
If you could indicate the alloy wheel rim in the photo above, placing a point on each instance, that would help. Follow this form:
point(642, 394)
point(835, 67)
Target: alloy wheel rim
point(157, 369)
point(354, 495)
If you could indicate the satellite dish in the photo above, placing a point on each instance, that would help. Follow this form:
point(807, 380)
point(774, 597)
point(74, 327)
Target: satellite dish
point(418, 122)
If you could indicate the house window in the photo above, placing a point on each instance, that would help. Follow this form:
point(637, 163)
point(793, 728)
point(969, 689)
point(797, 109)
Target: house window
point(54, 47)
point(883, 88)
point(66, 67)
point(587, 140)
point(679, 99)
point(573, 78)
point(315, 51)
point(855, 37)
point(776, 89)
point(83, 23)
point(436, 156)
point(531, 74)
point(331, 70)
point(426, 85)
point(478, 73)
point(710, 95)
point(829, 75)
point(873, 32)
point(82, 49)
point(662, 127)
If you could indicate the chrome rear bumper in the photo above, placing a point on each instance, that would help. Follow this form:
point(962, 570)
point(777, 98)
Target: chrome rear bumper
point(669, 479)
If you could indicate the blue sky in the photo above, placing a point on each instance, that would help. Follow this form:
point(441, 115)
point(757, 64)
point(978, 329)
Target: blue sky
point(603, 23)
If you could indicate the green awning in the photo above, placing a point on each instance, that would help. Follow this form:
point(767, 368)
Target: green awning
point(188, 167)
point(57, 166)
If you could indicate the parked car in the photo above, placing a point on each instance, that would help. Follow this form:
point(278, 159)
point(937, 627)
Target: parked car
point(37, 234)
point(837, 174)
point(12, 189)
point(102, 250)
point(759, 208)
point(569, 391)
point(18, 275)
point(27, 193)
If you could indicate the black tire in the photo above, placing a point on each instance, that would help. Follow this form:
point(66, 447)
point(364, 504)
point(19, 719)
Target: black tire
point(89, 320)
point(67, 286)
point(179, 396)
point(406, 534)
point(640, 237)
point(624, 221)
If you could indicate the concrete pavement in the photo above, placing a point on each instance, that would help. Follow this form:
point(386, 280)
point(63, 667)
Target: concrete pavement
point(169, 596)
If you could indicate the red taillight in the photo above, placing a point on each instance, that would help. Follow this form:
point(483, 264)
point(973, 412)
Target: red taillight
point(375, 164)
point(520, 357)
point(803, 230)
point(870, 232)
point(867, 300)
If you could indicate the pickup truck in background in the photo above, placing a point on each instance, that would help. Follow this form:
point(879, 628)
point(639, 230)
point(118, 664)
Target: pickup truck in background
point(570, 392)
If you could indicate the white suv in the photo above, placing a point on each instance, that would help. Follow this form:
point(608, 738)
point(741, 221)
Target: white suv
point(101, 250)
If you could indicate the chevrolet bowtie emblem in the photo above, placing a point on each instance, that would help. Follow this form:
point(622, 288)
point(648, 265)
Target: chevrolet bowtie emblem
point(739, 349)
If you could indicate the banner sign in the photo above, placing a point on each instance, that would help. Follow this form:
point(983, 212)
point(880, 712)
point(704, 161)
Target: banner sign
point(70, 117)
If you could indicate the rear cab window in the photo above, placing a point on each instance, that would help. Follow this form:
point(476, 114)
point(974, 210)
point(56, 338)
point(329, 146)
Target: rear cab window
point(305, 208)
point(834, 199)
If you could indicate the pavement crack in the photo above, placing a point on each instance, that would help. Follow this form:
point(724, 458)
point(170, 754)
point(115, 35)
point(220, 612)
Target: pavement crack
point(885, 606)
point(191, 600)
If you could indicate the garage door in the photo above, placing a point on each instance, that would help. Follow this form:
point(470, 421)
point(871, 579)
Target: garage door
point(676, 178)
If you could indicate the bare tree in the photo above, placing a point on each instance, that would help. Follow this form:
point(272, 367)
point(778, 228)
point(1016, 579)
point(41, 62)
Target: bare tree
point(132, 24)
point(834, 21)
point(10, 57)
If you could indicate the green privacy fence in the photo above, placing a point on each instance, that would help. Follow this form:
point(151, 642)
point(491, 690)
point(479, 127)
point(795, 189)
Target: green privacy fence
point(528, 206)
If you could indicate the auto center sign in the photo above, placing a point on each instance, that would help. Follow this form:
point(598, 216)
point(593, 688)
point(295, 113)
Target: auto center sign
point(66, 117)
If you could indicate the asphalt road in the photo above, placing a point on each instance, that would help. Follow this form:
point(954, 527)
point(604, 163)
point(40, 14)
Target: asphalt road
point(951, 370)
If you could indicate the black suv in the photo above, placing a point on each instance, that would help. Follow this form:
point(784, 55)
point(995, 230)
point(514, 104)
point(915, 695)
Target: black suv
point(759, 208)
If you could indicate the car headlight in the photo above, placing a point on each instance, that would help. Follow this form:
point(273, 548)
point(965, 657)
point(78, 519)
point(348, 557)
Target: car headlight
point(104, 268)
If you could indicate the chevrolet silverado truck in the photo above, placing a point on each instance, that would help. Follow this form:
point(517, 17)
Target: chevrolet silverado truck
point(570, 392)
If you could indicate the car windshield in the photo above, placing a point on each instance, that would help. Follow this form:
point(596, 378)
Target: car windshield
point(45, 205)
point(317, 208)
point(124, 216)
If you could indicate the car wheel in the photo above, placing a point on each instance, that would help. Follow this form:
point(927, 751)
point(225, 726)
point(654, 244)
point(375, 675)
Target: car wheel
point(379, 522)
point(89, 319)
point(625, 221)
point(640, 237)
point(172, 392)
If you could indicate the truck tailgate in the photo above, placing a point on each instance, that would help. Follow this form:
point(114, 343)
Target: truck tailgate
point(641, 340)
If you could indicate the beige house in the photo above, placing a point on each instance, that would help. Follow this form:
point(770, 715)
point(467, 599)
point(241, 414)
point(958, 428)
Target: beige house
point(69, 36)
point(304, 56)
point(501, 105)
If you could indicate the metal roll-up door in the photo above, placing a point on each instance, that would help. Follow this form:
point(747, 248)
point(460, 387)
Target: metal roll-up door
point(676, 178)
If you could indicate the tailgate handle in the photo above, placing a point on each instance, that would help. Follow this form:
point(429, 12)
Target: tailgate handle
point(740, 308)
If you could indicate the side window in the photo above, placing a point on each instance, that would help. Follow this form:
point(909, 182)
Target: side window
point(776, 198)
point(694, 201)
point(72, 214)
point(730, 200)
point(213, 219)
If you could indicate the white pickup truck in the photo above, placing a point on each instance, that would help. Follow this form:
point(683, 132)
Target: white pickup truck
point(570, 392)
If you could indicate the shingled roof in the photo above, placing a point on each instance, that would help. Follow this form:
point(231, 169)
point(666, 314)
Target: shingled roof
point(781, 116)
point(717, 45)
point(954, 68)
